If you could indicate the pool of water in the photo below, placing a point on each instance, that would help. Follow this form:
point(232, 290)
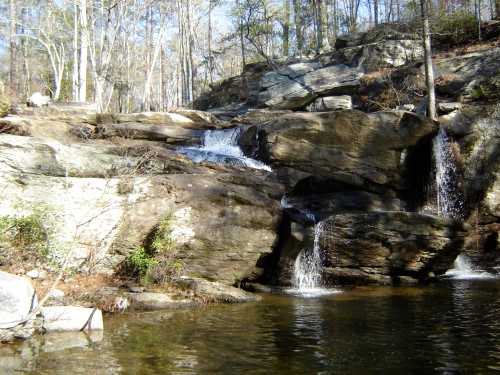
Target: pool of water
point(452, 327)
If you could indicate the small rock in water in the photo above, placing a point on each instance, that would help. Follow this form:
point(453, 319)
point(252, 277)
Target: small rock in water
point(136, 289)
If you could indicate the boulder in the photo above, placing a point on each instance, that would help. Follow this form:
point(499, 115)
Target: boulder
point(352, 147)
point(375, 56)
point(17, 301)
point(378, 34)
point(330, 103)
point(215, 292)
point(376, 247)
point(71, 318)
point(155, 301)
point(282, 90)
point(38, 100)
point(471, 77)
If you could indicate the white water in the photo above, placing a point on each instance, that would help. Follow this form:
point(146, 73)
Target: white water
point(464, 270)
point(449, 200)
point(221, 147)
point(307, 270)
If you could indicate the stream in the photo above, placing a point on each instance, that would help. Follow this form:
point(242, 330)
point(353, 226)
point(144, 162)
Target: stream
point(449, 327)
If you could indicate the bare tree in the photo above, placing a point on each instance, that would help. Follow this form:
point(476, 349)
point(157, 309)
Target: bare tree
point(13, 79)
point(429, 70)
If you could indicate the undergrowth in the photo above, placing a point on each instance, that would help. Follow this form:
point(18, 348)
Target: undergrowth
point(156, 262)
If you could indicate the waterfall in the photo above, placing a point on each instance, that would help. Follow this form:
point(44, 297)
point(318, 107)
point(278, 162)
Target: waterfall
point(449, 199)
point(307, 268)
point(464, 270)
point(221, 147)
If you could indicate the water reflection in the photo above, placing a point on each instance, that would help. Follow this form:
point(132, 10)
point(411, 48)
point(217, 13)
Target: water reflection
point(448, 328)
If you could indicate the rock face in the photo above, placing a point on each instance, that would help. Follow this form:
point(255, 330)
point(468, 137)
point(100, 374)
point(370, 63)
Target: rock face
point(384, 247)
point(474, 76)
point(352, 147)
point(17, 301)
point(476, 131)
point(103, 200)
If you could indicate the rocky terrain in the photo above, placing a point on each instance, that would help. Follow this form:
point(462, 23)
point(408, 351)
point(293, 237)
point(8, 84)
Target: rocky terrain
point(347, 146)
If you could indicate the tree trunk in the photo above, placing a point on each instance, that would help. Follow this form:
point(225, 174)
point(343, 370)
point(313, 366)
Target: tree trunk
point(210, 58)
point(322, 31)
point(375, 11)
point(84, 45)
point(297, 11)
point(286, 28)
point(429, 70)
point(74, 82)
point(13, 78)
point(497, 9)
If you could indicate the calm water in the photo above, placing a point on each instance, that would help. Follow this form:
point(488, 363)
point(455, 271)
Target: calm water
point(448, 328)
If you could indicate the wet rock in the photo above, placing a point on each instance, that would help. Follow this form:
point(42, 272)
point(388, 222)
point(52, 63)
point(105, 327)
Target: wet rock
point(70, 318)
point(215, 292)
point(154, 301)
point(376, 247)
point(444, 107)
point(17, 301)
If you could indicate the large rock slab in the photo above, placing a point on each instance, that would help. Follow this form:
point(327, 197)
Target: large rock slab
point(101, 203)
point(17, 301)
point(210, 291)
point(359, 149)
point(281, 90)
point(71, 318)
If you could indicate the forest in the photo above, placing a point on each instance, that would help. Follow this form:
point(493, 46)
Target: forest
point(142, 55)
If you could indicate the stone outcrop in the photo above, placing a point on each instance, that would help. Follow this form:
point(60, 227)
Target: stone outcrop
point(103, 201)
point(71, 318)
point(296, 83)
point(471, 77)
point(476, 131)
point(362, 150)
point(295, 86)
point(384, 247)
point(17, 301)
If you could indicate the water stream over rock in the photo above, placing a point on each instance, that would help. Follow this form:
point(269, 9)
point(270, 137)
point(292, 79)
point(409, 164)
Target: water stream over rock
point(221, 147)
point(449, 199)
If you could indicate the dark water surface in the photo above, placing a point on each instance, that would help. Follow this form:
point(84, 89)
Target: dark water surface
point(447, 328)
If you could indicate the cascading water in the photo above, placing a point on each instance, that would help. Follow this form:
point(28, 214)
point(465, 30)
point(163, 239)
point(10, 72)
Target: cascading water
point(307, 268)
point(307, 278)
point(221, 147)
point(449, 198)
point(464, 270)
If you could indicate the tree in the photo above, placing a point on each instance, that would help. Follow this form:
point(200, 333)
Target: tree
point(286, 27)
point(299, 36)
point(13, 79)
point(429, 70)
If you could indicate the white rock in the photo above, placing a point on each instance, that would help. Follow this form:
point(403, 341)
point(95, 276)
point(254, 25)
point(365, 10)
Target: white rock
point(56, 294)
point(71, 318)
point(17, 299)
point(38, 100)
point(34, 274)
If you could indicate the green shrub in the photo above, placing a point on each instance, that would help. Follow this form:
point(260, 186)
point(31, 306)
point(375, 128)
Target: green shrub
point(140, 262)
point(158, 262)
point(26, 233)
point(454, 29)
